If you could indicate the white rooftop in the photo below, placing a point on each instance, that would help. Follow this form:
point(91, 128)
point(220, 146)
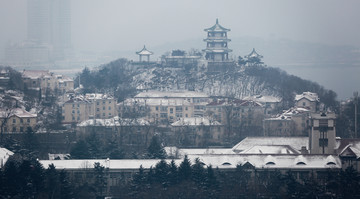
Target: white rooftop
point(171, 94)
point(196, 121)
point(115, 121)
point(263, 98)
point(294, 142)
point(307, 95)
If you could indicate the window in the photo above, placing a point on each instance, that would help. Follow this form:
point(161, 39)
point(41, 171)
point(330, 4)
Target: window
point(163, 108)
point(73, 105)
point(97, 109)
point(73, 111)
point(109, 101)
point(109, 114)
point(14, 121)
point(304, 103)
point(28, 120)
point(186, 108)
point(103, 114)
point(157, 108)
point(163, 115)
point(178, 109)
point(103, 107)
point(21, 120)
point(14, 129)
point(78, 118)
point(186, 115)
point(97, 103)
point(109, 107)
point(103, 102)
point(171, 110)
point(323, 142)
point(73, 118)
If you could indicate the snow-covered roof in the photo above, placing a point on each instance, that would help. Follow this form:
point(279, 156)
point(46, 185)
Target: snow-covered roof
point(263, 99)
point(35, 74)
point(17, 112)
point(270, 149)
point(4, 156)
point(254, 54)
point(294, 142)
point(97, 96)
point(155, 102)
point(261, 161)
point(181, 152)
point(220, 161)
point(307, 95)
point(217, 28)
point(195, 121)
point(77, 99)
point(115, 121)
point(171, 94)
point(144, 51)
point(288, 114)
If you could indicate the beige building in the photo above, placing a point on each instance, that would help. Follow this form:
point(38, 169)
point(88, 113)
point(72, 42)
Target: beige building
point(17, 120)
point(47, 81)
point(293, 122)
point(322, 134)
point(90, 106)
point(307, 100)
point(165, 107)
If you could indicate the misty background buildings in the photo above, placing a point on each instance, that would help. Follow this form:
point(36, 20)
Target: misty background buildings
point(305, 39)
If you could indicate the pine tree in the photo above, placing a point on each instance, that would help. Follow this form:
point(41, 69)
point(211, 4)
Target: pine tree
point(155, 150)
point(185, 169)
point(161, 173)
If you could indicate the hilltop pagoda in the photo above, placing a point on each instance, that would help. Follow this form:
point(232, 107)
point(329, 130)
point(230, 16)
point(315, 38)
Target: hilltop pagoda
point(144, 53)
point(217, 43)
point(254, 58)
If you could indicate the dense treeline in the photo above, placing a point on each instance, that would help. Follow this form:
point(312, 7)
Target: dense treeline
point(289, 85)
point(110, 78)
point(24, 177)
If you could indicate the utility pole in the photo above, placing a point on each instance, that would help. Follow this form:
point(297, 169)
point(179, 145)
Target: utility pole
point(356, 94)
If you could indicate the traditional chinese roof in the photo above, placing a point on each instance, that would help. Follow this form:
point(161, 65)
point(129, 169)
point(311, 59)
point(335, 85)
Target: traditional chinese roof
point(144, 51)
point(254, 54)
point(217, 28)
point(223, 50)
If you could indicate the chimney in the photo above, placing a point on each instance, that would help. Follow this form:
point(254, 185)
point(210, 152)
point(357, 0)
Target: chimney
point(303, 150)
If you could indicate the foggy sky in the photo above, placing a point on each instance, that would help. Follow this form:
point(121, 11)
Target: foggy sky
point(106, 25)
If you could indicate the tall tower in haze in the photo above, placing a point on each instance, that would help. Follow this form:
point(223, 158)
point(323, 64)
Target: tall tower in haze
point(49, 23)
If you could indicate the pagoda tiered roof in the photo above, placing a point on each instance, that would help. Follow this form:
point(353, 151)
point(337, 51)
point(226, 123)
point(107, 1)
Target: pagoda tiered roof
point(214, 39)
point(144, 51)
point(217, 28)
point(222, 50)
point(254, 54)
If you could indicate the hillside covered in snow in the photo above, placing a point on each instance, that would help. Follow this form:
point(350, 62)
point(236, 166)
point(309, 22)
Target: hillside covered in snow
point(124, 79)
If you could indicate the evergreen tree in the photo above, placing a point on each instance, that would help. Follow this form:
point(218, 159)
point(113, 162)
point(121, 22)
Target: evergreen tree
point(80, 150)
point(155, 150)
point(198, 172)
point(100, 179)
point(173, 173)
point(185, 169)
point(161, 173)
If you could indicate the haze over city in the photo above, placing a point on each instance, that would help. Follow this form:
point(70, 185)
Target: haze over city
point(115, 29)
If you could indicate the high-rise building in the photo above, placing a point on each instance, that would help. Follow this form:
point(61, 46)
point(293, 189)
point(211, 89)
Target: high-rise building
point(48, 34)
point(49, 22)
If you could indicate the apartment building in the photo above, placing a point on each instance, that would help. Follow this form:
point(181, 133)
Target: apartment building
point(90, 106)
point(17, 120)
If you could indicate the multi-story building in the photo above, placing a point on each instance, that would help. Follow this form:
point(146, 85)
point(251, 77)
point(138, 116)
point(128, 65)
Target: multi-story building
point(102, 106)
point(293, 122)
point(90, 106)
point(217, 51)
point(322, 137)
point(17, 120)
point(307, 100)
point(165, 107)
point(75, 110)
point(47, 81)
point(197, 131)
